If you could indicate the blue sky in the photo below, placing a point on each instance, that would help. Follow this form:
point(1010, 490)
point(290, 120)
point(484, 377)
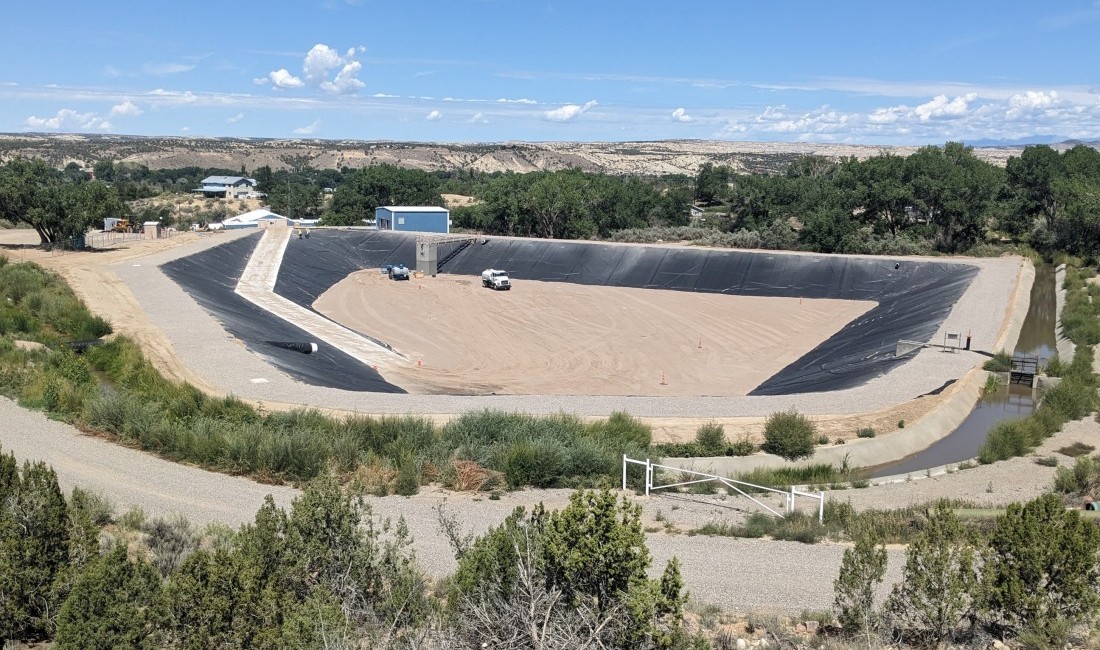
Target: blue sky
point(595, 70)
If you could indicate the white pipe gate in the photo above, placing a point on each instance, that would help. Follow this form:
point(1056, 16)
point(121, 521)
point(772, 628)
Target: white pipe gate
point(789, 495)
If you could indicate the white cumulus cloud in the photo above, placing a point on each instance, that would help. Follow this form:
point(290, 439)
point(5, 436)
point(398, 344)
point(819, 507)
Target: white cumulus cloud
point(346, 81)
point(434, 116)
point(309, 129)
point(67, 119)
point(282, 78)
point(1032, 100)
point(322, 60)
point(680, 115)
point(941, 106)
point(479, 118)
point(236, 118)
point(569, 111)
point(522, 100)
point(887, 115)
point(126, 108)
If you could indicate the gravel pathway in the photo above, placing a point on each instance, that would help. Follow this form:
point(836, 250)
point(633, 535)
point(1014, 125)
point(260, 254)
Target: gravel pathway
point(735, 574)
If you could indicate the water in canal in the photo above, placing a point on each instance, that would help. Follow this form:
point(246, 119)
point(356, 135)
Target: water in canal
point(1037, 337)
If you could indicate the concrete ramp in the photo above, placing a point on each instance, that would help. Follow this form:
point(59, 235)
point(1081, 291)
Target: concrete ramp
point(257, 286)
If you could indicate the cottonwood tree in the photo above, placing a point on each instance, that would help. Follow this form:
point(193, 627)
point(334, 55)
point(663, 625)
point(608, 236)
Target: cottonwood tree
point(357, 197)
point(39, 196)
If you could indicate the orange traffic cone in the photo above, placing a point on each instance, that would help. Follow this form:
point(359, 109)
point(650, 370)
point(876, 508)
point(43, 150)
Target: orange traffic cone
point(700, 343)
point(419, 362)
point(664, 381)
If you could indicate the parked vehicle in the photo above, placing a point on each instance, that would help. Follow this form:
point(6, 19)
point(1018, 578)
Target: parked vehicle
point(495, 279)
point(398, 272)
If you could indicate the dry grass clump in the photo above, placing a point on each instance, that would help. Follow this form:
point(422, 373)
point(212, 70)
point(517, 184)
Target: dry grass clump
point(469, 476)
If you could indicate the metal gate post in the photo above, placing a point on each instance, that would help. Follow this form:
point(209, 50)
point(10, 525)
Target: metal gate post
point(821, 509)
point(648, 476)
point(624, 472)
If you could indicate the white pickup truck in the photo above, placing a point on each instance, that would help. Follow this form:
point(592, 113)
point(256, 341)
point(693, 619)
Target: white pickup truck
point(495, 279)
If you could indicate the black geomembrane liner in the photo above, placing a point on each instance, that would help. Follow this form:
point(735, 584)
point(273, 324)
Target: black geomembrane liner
point(210, 278)
point(913, 296)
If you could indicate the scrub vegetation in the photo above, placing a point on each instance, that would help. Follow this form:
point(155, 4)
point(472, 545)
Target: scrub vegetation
point(325, 574)
point(112, 389)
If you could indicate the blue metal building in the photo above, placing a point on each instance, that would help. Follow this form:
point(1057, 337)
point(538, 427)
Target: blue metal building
point(413, 218)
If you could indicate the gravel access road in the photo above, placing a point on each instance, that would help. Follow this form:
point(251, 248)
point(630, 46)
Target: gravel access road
point(735, 574)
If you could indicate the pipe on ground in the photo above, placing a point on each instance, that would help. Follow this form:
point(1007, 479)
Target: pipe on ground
point(296, 346)
point(80, 346)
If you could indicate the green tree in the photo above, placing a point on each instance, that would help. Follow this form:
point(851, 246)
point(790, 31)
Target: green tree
point(861, 571)
point(789, 435)
point(34, 550)
point(595, 547)
point(297, 200)
point(938, 590)
point(580, 573)
point(104, 170)
point(368, 188)
point(37, 195)
point(712, 182)
point(955, 189)
point(265, 181)
point(112, 605)
point(200, 600)
point(711, 439)
point(1034, 175)
point(883, 193)
point(557, 204)
point(1042, 569)
point(325, 571)
point(338, 548)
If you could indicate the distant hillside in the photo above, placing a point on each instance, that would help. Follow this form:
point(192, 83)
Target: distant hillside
point(643, 158)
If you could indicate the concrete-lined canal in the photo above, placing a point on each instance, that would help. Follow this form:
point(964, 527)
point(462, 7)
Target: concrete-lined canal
point(1011, 401)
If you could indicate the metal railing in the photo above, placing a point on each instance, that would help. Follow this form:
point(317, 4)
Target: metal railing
point(789, 494)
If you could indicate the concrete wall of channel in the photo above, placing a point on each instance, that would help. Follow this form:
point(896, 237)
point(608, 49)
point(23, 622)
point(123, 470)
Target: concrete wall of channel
point(933, 426)
point(1066, 348)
